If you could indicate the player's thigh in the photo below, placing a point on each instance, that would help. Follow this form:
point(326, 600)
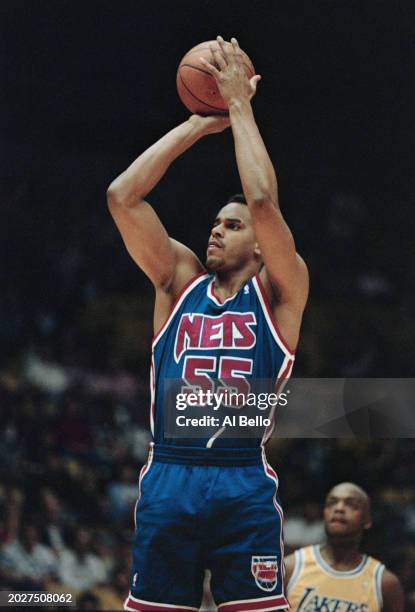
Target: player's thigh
point(167, 565)
point(246, 561)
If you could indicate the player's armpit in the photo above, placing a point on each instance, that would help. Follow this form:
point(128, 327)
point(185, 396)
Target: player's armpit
point(286, 270)
point(164, 261)
point(187, 267)
point(392, 593)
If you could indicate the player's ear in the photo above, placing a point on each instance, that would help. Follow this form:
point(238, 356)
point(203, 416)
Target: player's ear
point(257, 250)
point(367, 524)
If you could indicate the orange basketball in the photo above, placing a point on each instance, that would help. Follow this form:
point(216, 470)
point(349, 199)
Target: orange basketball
point(197, 88)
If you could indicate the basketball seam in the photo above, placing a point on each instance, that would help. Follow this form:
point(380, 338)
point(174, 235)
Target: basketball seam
point(195, 68)
point(198, 99)
point(250, 68)
point(203, 48)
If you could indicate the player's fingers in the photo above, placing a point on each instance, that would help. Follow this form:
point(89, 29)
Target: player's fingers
point(235, 45)
point(218, 58)
point(237, 51)
point(209, 67)
point(223, 48)
point(254, 82)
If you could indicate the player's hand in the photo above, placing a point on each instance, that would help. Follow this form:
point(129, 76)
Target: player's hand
point(228, 71)
point(212, 124)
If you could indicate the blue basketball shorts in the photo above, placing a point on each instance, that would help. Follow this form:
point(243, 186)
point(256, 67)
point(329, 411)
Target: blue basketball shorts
point(196, 512)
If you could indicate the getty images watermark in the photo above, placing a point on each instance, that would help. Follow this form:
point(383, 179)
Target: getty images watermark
point(237, 407)
point(362, 408)
point(227, 399)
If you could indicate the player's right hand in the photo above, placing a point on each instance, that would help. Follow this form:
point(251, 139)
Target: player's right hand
point(212, 124)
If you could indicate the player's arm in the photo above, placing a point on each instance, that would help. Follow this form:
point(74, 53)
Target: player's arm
point(392, 593)
point(285, 271)
point(166, 262)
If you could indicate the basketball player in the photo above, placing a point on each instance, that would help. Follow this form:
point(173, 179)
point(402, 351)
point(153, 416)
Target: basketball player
point(337, 576)
point(212, 503)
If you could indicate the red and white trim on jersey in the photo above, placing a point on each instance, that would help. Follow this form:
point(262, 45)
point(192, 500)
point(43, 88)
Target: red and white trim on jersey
point(263, 604)
point(270, 473)
point(282, 377)
point(195, 280)
point(266, 308)
point(298, 568)
point(132, 603)
point(152, 394)
point(211, 294)
point(143, 472)
point(191, 284)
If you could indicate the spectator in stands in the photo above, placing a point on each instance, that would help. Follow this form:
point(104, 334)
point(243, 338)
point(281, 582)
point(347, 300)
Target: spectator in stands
point(123, 494)
point(25, 562)
point(80, 568)
point(306, 528)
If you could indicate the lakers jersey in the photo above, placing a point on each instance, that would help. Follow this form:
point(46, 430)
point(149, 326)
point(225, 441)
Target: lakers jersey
point(205, 339)
point(314, 585)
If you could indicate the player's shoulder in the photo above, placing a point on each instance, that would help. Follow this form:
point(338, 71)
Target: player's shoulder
point(390, 581)
point(187, 267)
point(388, 585)
point(289, 562)
point(293, 561)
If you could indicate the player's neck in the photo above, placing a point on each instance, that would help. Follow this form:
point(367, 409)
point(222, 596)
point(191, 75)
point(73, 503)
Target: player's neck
point(228, 283)
point(341, 556)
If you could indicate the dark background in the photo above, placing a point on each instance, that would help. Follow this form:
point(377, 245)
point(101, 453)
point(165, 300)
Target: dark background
point(87, 86)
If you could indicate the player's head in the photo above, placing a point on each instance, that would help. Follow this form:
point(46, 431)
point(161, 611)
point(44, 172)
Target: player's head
point(232, 243)
point(346, 512)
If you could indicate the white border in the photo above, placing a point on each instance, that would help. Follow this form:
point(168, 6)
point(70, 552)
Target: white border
point(337, 573)
point(177, 305)
point(280, 384)
point(213, 297)
point(271, 324)
point(380, 568)
point(144, 470)
point(270, 473)
point(222, 607)
point(298, 568)
point(155, 603)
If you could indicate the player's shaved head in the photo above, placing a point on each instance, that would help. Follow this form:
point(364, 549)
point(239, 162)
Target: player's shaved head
point(350, 490)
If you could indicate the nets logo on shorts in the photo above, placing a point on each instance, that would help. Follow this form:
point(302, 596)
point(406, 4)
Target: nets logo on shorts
point(265, 572)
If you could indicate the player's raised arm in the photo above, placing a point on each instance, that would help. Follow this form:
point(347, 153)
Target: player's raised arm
point(166, 262)
point(285, 270)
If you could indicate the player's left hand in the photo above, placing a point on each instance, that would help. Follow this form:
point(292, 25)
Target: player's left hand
point(211, 124)
point(228, 71)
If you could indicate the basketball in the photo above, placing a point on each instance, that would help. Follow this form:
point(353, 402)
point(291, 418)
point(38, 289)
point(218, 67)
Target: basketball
point(197, 89)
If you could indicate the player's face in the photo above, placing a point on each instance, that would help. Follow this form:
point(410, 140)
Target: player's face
point(232, 241)
point(346, 512)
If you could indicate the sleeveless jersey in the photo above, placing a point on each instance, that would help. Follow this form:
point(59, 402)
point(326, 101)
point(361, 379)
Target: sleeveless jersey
point(314, 585)
point(203, 337)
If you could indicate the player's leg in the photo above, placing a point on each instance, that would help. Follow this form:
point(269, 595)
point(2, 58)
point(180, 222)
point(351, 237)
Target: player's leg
point(246, 556)
point(207, 605)
point(167, 572)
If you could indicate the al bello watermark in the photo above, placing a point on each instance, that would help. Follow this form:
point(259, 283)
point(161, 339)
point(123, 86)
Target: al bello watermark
point(362, 408)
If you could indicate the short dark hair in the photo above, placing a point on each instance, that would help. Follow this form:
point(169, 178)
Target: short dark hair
point(239, 198)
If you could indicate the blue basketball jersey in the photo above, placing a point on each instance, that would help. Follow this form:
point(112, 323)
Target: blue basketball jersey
point(210, 501)
point(205, 339)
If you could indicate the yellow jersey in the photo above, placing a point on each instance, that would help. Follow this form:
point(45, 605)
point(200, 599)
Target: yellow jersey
point(316, 587)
